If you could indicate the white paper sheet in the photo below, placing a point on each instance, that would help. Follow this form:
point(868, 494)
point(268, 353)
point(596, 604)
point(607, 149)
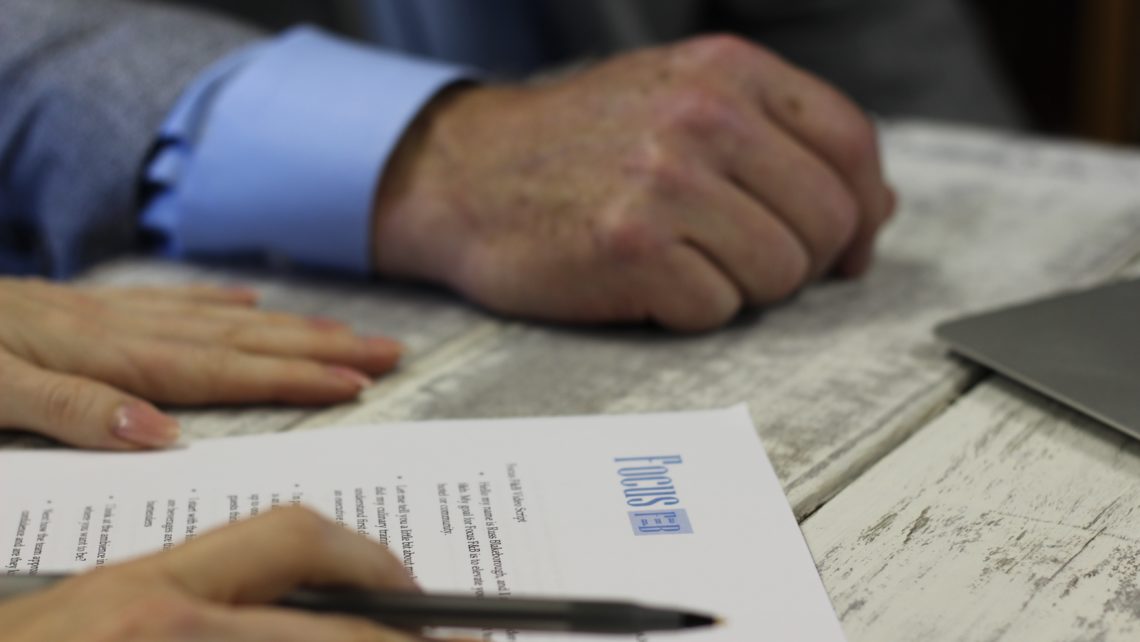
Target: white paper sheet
point(598, 507)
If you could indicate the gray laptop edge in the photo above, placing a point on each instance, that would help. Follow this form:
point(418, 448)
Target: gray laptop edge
point(1082, 349)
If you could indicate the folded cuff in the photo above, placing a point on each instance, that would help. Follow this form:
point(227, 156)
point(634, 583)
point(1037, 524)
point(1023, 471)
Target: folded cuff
point(285, 161)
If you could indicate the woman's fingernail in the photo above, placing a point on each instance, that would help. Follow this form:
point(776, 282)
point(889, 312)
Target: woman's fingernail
point(142, 424)
point(348, 374)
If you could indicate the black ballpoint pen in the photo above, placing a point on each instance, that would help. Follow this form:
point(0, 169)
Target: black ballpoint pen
point(416, 610)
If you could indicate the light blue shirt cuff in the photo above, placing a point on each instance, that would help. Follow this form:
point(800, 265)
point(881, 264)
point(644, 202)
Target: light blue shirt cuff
point(277, 150)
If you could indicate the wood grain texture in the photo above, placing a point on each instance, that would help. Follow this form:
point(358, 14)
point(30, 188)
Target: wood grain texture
point(1007, 518)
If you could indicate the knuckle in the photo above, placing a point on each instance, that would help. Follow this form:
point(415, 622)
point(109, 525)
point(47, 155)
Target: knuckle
point(628, 236)
point(218, 366)
point(721, 49)
point(659, 170)
point(698, 110)
point(232, 334)
point(184, 374)
point(146, 368)
point(64, 402)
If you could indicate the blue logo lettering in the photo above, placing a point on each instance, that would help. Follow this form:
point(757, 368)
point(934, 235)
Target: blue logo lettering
point(646, 483)
point(664, 522)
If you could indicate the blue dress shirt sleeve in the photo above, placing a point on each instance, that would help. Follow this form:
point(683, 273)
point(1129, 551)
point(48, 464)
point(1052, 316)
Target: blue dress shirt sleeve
point(276, 150)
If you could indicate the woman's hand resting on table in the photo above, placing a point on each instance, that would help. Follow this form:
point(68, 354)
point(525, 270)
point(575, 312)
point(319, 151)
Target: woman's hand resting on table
point(217, 588)
point(82, 365)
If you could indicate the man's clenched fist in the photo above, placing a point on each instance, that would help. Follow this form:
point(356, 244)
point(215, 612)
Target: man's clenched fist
point(675, 184)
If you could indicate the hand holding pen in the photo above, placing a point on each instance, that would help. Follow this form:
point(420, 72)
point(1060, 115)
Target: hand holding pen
point(220, 586)
point(241, 583)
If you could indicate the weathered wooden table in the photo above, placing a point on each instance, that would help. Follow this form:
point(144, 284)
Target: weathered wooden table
point(941, 503)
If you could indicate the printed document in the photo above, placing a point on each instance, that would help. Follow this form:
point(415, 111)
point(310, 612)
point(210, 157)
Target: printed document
point(677, 510)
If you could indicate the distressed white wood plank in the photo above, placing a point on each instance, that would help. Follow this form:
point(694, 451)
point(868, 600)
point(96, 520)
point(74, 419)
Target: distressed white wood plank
point(1006, 518)
point(841, 375)
point(1008, 155)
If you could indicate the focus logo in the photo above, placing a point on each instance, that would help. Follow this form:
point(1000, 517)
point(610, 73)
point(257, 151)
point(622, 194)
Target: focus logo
point(647, 485)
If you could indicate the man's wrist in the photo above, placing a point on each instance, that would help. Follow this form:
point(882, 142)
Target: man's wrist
point(413, 190)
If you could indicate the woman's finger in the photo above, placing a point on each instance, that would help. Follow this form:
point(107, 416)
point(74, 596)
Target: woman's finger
point(194, 293)
point(73, 328)
point(230, 313)
point(193, 374)
point(99, 303)
point(78, 411)
point(373, 355)
point(183, 373)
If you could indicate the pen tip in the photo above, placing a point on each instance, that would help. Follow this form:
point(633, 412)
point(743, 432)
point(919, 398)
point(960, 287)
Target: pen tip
point(694, 620)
